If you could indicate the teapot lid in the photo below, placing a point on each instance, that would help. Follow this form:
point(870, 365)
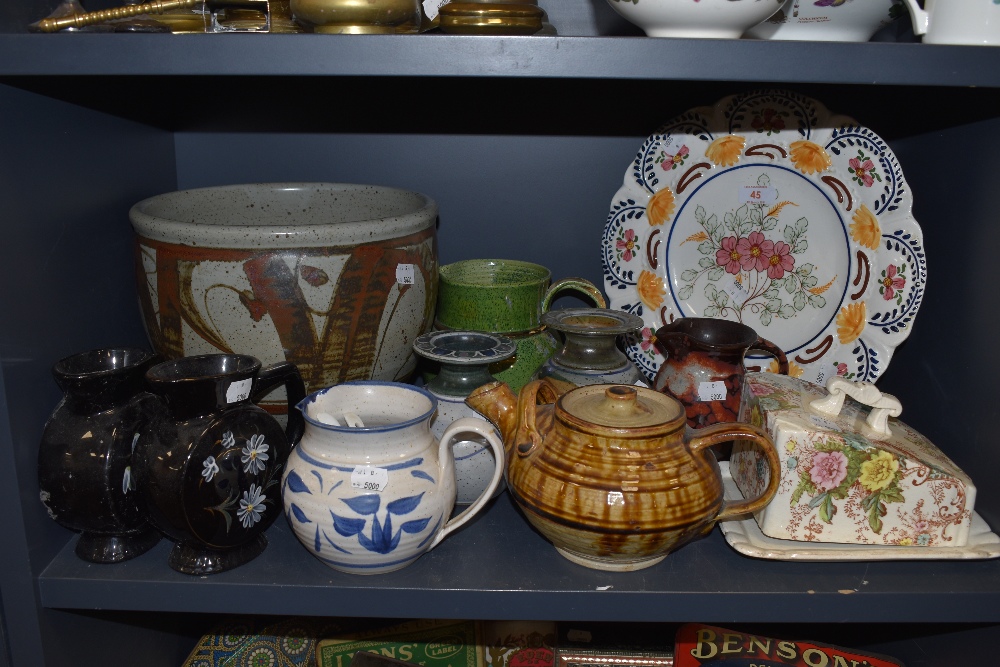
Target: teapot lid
point(621, 406)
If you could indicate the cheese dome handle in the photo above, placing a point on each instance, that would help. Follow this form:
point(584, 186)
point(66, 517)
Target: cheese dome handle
point(883, 405)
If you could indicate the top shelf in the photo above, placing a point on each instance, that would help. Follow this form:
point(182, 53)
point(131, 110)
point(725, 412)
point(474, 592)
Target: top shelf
point(438, 55)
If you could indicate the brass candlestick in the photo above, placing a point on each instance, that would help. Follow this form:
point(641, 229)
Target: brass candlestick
point(90, 18)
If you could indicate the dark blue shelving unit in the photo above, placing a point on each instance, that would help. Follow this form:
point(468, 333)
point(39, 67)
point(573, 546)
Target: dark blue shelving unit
point(523, 141)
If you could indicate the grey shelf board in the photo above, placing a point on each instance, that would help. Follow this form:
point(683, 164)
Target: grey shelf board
point(499, 568)
point(476, 56)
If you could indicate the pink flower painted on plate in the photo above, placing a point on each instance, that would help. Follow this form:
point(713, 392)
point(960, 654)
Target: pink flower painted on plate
point(770, 121)
point(779, 261)
point(863, 170)
point(891, 282)
point(647, 339)
point(729, 255)
point(755, 250)
point(828, 470)
point(673, 161)
point(841, 368)
point(627, 245)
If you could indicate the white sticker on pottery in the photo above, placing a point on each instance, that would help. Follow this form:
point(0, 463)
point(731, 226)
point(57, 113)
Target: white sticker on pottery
point(736, 292)
point(432, 7)
point(370, 478)
point(712, 391)
point(758, 194)
point(238, 391)
point(404, 274)
point(673, 144)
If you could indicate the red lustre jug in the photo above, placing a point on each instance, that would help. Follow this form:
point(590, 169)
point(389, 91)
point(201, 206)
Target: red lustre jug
point(704, 366)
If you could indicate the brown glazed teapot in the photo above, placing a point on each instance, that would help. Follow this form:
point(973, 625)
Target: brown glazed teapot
point(609, 473)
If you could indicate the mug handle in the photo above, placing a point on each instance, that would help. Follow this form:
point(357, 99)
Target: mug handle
point(767, 347)
point(485, 429)
point(285, 373)
point(720, 433)
point(577, 284)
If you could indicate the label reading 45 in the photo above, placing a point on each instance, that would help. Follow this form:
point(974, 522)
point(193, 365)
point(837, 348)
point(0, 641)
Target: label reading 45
point(369, 478)
point(758, 194)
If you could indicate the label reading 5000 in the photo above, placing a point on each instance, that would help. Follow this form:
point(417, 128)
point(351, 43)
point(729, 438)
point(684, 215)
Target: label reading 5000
point(369, 478)
point(712, 391)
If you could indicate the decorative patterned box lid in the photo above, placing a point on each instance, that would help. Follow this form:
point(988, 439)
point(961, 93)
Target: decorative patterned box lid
point(844, 479)
point(431, 643)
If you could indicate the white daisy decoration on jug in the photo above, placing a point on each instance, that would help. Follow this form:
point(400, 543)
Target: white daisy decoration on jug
point(251, 506)
point(255, 454)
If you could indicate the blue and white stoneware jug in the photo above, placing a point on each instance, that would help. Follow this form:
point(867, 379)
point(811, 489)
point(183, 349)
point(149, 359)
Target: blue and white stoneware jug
point(369, 489)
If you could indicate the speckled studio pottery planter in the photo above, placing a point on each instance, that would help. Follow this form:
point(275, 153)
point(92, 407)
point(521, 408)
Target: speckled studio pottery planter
point(720, 19)
point(463, 359)
point(610, 474)
point(373, 497)
point(337, 279)
point(808, 20)
point(506, 297)
point(85, 457)
point(209, 460)
point(590, 354)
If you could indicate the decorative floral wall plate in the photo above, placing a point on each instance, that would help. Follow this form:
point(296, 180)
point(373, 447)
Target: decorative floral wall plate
point(769, 210)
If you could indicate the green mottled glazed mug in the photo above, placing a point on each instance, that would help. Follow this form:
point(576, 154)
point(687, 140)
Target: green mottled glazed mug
point(507, 297)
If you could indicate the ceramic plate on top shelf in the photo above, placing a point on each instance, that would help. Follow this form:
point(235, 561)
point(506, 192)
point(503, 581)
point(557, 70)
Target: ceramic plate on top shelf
point(745, 536)
point(769, 210)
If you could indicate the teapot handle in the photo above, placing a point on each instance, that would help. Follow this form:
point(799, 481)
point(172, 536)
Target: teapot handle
point(270, 378)
point(767, 347)
point(720, 433)
point(485, 429)
point(577, 284)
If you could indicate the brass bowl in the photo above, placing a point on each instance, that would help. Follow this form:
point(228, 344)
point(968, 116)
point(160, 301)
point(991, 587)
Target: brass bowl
point(358, 17)
point(491, 18)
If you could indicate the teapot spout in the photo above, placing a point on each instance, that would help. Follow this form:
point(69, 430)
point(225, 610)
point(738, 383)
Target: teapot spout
point(498, 403)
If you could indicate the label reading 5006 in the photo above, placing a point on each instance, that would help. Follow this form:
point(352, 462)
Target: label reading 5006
point(369, 478)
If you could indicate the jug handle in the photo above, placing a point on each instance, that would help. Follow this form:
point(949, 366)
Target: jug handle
point(485, 429)
point(767, 347)
point(270, 378)
point(920, 19)
point(577, 284)
point(720, 433)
